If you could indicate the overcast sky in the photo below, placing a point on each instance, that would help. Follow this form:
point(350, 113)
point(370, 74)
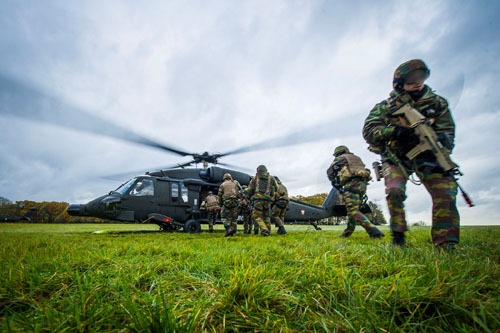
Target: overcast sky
point(217, 75)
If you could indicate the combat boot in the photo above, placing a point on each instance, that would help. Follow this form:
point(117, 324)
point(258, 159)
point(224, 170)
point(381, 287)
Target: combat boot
point(281, 230)
point(211, 229)
point(446, 246)
point(376, 233)
point(264, 233)
point(256, 231)
point(315, 225)
point(345, 234)
point(398, 238)
point(229, 231)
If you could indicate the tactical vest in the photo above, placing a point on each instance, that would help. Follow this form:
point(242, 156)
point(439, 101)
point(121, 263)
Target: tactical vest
point(353, 168)
point(230, 194)
point(211, 201)
point(229, 189)
point(261, 200)
point(263, 185)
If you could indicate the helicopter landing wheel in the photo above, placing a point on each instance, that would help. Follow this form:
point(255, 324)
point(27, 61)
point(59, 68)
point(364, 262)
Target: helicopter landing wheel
point(192, 227)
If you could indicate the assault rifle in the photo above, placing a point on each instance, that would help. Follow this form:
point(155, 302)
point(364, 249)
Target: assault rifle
point(429, 141)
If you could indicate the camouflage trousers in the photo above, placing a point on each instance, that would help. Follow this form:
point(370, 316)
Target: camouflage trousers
point(247, 221)
point(229, 217)
point(211, 215)
point(443, 190)
point(261, 218)
point(354, 191)
point(278, 216)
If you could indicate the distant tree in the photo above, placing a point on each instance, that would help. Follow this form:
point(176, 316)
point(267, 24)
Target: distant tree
point(377, 217)
point(419, 224)
point(315, 199)
point(4, 201)
point(337, 220)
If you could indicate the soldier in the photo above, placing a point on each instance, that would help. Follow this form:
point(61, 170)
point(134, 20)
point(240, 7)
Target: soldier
point(245, 210)
point(279, 206)
point(388, 136)
point(261, 190)
point(350, 177)
point(228, 199)
point(211, 205)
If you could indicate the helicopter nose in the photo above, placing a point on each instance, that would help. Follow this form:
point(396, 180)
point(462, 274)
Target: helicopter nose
point(77, 210)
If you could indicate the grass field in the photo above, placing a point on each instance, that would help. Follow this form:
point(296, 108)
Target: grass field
point(131, 278)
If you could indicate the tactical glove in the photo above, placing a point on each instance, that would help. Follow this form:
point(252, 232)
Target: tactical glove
point(400, 133)
point(445, 140)
point(388, 132)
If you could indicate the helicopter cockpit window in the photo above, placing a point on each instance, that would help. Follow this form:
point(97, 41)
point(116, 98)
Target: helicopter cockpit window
point(124, 187)
point(143, 188)
point(175, 192)
point(184, 193)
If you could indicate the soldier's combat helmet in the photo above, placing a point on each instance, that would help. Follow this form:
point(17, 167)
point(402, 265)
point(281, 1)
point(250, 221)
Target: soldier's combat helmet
point(261, 170)
point(340, 150)
point(409, 72)
point(227, 176)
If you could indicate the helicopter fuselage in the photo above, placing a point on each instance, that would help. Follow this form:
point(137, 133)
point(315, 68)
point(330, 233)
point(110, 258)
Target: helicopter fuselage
point(174, 197)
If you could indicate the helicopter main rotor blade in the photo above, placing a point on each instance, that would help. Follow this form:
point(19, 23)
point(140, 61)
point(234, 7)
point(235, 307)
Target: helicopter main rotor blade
point(325, 130)
point(232, 166)
point(122, 175)
point(22, 101)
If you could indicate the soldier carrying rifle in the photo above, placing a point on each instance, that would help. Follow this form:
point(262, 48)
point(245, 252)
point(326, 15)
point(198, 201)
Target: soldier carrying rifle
point(414, 132)
point(348, 175)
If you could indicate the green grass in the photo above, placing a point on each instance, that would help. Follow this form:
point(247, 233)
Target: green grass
point(64, 277)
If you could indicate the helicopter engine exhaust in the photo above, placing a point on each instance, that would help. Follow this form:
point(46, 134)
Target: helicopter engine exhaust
point(216, 174)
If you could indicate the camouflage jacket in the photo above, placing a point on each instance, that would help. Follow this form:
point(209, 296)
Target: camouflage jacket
point(430, 105)
point(255, 195)
point(244, 200)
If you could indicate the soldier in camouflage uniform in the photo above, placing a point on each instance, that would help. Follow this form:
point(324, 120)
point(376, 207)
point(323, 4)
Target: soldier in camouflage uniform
point(245, 210)
point(350, 177)
point(278, 209)
point(389, 136)
point(211, 205)
point(228, 199)
point(261, 190)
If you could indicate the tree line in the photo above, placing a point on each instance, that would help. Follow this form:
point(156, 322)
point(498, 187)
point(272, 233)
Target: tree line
point(44, 212)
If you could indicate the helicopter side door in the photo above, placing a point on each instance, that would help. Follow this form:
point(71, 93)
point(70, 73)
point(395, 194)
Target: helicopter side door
point(141, 198)
point(180, 199)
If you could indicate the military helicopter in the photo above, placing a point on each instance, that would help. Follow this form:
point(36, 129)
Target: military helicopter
point(170, 197)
